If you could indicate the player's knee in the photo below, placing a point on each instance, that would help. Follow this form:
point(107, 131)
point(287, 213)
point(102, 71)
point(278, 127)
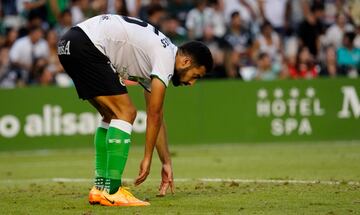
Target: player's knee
point(131, 112)
point(128, 114)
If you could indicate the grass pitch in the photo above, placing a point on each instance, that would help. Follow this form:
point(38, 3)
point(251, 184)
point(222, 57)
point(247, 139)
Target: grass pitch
point(301, 178)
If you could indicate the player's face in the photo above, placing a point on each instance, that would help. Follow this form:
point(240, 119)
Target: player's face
point(185, 73)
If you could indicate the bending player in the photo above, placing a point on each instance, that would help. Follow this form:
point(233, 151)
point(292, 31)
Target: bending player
point(96, 54)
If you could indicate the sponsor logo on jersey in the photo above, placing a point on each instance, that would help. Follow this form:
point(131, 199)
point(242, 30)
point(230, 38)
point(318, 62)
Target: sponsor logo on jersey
point(63, 47)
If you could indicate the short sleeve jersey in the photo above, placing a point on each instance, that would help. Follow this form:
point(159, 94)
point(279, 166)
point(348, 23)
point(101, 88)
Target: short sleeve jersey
point(136, 50)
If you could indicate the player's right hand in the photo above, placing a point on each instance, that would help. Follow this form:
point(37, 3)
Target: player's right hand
point(144, 171)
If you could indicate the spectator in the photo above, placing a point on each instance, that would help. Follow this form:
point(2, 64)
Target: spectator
point(25, 51)
point(39, 75)
point(219, 49)
point(305, 65)
point(99, 6)
point(332, 8)
point(348, 55)
point(53, 63)
point(334, 34)
point(33, 21)
point(54, 10)
point(179, 9)
point(79, 8)
point(9, 8)
point(355, 12)
point(268, 42)
point(156, 14)
point(330, 67)
point(266, 70)
point(53, 72)
point(239, 38)
point(65, 22)
point(246, 8)
point(2, 27)
point(2, 40)
point(6, 80)
point(219, 26)
point(233, 65)
point(311, 29)
point(133, 6)
point(120, 7)
point(298, 10)
point(171, 28)
point(277, 13)
point(357, 38)
point(144, 9)
point(10, 15)
point(11, 36)
point(198, 18)
point(33, 7)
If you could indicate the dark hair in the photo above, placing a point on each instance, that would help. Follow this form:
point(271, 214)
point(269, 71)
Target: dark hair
point(351, 36)
point(35, 28)
point(64, 12)
point(262, 55)
point(234, 14)
point(123, 11)
point(265, 24)
point(317, 6)
point(200, 54)
point(155, 9)
point(213, 2)
point(200, 2)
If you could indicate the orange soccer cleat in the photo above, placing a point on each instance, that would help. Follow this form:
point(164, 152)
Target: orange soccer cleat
point(95, 196)
point(132, 200)
point(121, 198)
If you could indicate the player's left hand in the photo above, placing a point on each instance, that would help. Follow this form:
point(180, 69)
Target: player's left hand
point(144, 171)
point(167, 180)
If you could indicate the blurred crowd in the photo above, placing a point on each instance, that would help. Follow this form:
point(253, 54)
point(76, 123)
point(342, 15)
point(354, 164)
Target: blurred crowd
point(249, 39)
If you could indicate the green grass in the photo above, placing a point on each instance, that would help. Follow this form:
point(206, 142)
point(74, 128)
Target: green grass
point(27, 187)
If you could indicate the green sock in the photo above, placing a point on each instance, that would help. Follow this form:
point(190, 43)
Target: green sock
point(100, 156)
point(118, 144)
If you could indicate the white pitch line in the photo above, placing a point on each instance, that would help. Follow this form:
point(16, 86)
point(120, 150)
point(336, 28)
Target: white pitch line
point(278, 181)
point(236, 180)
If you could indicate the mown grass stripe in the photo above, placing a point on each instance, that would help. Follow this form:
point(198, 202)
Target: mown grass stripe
point(237, 180)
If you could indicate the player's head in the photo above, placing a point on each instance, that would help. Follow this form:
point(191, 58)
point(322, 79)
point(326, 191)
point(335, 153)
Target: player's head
point(193, 60)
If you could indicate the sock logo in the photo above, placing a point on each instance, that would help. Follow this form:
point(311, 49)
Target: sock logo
point(114, 141)
point(118, 141)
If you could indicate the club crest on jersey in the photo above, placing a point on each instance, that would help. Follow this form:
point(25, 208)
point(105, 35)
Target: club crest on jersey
point(124, 72)
point(105, 17)
point(170, 76)
point(63, 47)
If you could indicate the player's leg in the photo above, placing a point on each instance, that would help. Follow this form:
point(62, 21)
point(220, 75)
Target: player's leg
point(100, 153)
point(118, 137)
point(118, 141)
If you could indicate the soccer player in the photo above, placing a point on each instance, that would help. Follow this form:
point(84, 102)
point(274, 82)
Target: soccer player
point(101, 53)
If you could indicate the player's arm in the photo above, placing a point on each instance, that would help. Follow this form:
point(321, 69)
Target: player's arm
point(164, 155)
point(154, 120)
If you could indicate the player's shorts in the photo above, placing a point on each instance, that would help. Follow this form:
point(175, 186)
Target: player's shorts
point(90, 70)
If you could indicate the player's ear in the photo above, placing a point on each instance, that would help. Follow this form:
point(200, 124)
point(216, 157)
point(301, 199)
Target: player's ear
point(187, 61)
